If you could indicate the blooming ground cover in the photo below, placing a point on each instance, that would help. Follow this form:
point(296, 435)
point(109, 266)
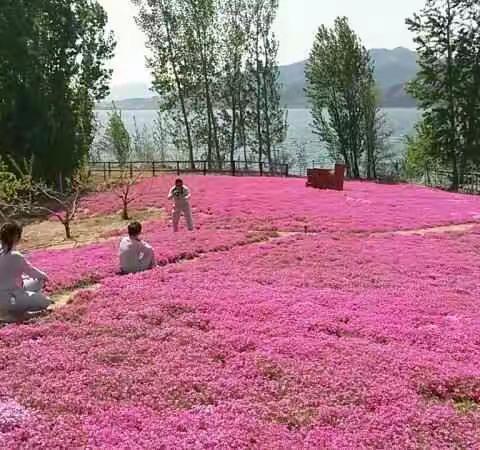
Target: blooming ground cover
point(286, 204)
point(338, 339)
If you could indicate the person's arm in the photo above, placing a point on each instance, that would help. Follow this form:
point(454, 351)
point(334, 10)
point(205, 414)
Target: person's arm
point(186, 193)
point(170, 194)
point(31, 271)
point(146, 245)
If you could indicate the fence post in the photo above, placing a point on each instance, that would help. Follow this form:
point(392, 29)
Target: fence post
point(261, 168)
point(105, 171)
point(178, 167)
point(131, 170)
point(204, 168)
point(286, 170)
point(233, 168)
point(109, 169)
point(153, 168)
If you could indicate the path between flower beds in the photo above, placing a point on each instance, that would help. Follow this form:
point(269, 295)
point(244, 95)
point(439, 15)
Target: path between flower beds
point(63, 298)
point(456, 228)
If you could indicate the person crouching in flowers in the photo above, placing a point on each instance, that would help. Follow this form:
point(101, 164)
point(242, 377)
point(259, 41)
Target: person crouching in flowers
point(135, 254)
point(181, 198)
point(20, 282)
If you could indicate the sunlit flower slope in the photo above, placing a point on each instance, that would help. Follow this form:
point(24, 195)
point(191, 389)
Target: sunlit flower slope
point(290, 319)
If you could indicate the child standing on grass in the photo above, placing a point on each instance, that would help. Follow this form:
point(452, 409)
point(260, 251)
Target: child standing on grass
point(181, 197)
point(20, 282)
point(135, 254)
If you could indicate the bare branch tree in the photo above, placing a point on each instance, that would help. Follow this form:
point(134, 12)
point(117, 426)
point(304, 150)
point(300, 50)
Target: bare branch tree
point(44, 200)
point(67, 205)
point(125, 192)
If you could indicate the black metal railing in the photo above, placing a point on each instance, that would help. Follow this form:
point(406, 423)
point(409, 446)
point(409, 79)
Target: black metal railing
point(233, 168)
point(469, 182)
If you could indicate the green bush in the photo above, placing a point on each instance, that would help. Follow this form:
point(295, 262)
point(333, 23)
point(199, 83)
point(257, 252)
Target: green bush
point(10, 185)
point(420, 158)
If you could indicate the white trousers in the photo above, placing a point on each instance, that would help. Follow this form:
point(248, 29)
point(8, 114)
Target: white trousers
point(28, 299)
point(186, 210)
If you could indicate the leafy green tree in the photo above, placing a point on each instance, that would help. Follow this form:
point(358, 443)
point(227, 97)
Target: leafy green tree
point(117, 140)
point(447, 88)
point(174, 77)
point(236, 21)
point(376, 131)
point(9, 184)
point(53, 56)
point(422, 154)
point(215, 68)
point(160, 137)
point(342, 94)
point(268, 117)
point(142, 143)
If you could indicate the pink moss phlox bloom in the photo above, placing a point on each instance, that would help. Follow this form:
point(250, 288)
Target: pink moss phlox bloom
point(341, 339)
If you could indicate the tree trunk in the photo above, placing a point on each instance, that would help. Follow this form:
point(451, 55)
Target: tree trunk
point(210, 111)
point(455, 178)
point(243, 132)
point(125, 215)
point(209, 144)
point(258, 102)
point(451, 100)
point(181, 96)
point(68, 233)
point(267, 123)
point(234, 128)
point(210, 116)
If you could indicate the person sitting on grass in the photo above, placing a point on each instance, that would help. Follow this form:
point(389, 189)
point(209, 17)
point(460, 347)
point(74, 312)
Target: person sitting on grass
point(20, 282)
point(135, 254)
point(181, 196)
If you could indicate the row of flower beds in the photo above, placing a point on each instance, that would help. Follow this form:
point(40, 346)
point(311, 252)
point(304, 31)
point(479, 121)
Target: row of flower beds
point(330, 340)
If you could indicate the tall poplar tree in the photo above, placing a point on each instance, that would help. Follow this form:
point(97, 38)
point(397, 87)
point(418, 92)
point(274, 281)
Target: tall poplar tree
point(343, 97)
point(215, 68)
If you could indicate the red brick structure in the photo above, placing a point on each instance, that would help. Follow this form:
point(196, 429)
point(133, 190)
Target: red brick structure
point(327, 179)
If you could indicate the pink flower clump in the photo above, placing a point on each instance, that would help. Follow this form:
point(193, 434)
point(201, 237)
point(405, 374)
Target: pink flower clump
point(82, 266)
point(344, 339)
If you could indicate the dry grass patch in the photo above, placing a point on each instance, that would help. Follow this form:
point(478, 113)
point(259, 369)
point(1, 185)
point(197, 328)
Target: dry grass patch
point(64, 298)
point(60, 300)
point(50, 233)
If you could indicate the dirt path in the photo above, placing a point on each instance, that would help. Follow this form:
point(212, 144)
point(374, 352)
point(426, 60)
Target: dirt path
point(458, 228)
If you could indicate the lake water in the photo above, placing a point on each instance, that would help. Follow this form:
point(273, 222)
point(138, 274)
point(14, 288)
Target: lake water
point(402, 122)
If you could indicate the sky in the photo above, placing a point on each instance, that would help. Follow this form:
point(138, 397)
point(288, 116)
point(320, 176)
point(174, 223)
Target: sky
point(380, 24)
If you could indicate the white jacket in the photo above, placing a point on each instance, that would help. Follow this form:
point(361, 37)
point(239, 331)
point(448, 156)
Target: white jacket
point(135, 255)
point(181, 198)
point(12, 266)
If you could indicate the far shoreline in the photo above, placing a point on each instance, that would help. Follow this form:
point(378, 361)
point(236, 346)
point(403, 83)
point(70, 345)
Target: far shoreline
point(290, 108)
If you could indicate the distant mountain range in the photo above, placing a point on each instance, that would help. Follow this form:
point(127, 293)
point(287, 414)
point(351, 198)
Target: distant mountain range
point(393, 70)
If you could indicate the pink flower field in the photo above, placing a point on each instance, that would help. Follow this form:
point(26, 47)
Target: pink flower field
point(253, 334)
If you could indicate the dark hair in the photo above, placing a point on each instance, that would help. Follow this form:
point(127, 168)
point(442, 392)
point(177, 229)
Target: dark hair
point(178, 180)
point(10, 234)
point(134, 229)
